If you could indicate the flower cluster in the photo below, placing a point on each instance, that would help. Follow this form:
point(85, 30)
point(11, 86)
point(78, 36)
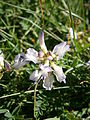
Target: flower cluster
point(46, 62)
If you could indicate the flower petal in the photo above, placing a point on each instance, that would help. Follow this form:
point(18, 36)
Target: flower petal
point(19, 61)
point(75, 35)
point(45, 70)
point(48, 82)
point(49, 58)
point(58, 71)
point(31, 55)
point(40, 54)
point(7, 66)
point(60, 50)
point(88, 64)
point(58, 47)
point(71, 33)
point(41, 41)
point(1, 60)
point(35, 75)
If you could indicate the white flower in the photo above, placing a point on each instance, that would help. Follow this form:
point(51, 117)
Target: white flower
point(46, 63)
point(45, 60)
point(71, 33)
point(19, 61)
point(43, 74)
point(1, 61)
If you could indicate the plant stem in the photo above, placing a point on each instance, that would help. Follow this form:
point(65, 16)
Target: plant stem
point(42, 16)
point(35, 99)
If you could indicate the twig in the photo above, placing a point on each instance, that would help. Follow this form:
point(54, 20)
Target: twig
point(31, 91)
point(35, 99)
point(42, 16)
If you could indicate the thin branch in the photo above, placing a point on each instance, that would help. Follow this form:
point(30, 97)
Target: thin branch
point(35, 99)
point(32, 91)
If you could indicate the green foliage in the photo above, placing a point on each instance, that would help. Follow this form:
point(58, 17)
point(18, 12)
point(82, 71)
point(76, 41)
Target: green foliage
point(20, 23)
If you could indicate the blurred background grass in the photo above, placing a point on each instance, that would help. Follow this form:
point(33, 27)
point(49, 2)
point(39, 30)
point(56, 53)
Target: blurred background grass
point(20, 23)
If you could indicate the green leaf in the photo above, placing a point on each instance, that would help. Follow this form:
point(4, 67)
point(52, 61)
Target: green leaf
point(1, 75)
point(8, 115)
point(3, 85)
point(43, 107)
point(3, 111)
point(15, 110)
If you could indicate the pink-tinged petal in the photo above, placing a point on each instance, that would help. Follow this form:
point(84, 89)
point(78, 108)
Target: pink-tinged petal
point(7, 66)
point(31, 55)
point(60, 49)
point(35, 76)
point(48, 82)
point(40, 54)
point(49, 58)
point(19, 61)
point(41, 41)
point(58, 71)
